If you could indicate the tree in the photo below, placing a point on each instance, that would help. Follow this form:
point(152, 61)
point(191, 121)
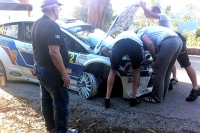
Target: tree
point(26, 2)
point(81, 12)
point(109, 18)
point(197, 32)
point(97, 12)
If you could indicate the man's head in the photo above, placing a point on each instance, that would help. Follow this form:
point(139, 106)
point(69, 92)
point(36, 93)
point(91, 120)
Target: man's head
point(155, 9)
point(51, 8)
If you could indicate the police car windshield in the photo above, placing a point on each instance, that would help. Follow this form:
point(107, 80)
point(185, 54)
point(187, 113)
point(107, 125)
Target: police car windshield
point(88, 34)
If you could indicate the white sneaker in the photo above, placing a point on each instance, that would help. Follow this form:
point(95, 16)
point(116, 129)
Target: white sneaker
point(174, 80)
point(72, 131)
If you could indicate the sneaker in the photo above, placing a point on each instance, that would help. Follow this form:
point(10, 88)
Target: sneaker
point(173, 80)
point(193, 95)
point(151, 100)
point(107, 103)
point(72, 131)
point(134, 102)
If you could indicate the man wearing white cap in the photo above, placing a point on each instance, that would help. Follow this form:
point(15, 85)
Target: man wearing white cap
point(51, 59)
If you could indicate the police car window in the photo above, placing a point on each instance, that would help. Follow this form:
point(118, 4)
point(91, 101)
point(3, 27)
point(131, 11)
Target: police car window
point(87, 34)
point(27, 32)
point(73, 45)
point(10, 30)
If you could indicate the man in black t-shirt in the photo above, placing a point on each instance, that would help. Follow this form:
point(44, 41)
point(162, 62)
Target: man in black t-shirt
point(51, 59)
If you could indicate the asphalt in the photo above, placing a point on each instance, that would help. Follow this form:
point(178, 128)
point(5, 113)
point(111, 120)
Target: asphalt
point(174, 114)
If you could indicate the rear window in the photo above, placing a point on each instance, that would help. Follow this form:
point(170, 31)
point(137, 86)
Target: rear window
point(10, 30)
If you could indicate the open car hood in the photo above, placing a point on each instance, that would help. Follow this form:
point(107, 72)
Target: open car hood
point(14, 5)
point(120, 24)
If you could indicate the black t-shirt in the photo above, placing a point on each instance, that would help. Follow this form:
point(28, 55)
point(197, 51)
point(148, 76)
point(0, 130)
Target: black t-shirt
point(46, 32)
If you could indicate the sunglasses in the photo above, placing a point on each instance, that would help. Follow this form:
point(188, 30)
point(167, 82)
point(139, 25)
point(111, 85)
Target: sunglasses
point(59, 8)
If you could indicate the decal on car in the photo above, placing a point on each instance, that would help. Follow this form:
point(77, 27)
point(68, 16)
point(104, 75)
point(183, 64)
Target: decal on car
point(69, 71)
point(3, 42)
point(7, 50)
point(72, 58)
point(15, 73)
point(14, 55)
point(130, 80)
point(76, 70)
point(83, 56)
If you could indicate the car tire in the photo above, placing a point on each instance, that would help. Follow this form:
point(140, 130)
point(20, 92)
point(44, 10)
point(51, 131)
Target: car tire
point(3, 78)
point(88, 85)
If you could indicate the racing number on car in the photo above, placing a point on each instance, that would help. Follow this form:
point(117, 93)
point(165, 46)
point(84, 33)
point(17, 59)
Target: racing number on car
point(72, 58)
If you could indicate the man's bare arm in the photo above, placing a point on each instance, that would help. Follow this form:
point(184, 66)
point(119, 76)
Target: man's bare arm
point(148, 13)
point(105, 50)
point(54, 52)
point(150, 46)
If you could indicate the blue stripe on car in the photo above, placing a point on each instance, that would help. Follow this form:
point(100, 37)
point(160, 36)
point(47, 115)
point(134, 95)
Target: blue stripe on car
point(25, 59)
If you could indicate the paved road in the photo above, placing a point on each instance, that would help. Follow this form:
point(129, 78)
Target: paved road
point(173, 115)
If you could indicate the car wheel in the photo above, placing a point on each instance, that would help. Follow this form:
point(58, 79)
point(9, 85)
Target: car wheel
point(88, 86)
point(3, 79)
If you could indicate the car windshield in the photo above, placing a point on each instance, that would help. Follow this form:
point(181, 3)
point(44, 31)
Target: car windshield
point(89, 35)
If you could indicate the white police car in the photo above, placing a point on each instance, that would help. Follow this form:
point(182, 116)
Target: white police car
point(88, 68)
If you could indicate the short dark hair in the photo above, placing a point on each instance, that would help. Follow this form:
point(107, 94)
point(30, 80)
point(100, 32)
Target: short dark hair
point(155, 8)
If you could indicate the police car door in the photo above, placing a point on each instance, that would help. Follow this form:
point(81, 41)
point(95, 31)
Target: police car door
point(26, 51)
point(9, 53)
point(74, 69)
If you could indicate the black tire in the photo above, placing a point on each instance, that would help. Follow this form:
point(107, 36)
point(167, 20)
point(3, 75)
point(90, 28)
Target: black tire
point(3, 78)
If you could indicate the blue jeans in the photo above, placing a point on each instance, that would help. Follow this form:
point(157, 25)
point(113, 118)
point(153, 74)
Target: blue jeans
point(54, 98)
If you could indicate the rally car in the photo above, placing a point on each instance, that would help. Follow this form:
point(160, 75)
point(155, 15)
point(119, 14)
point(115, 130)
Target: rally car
point(88, 67)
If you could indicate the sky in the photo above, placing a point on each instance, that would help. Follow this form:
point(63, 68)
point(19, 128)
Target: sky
point(118, 5)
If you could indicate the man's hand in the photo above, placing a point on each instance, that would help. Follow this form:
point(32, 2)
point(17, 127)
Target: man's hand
point(54, 52)
point(105, 50)
point(143, 4)
point(152, 64)
point(127, 66)
point(66, 79)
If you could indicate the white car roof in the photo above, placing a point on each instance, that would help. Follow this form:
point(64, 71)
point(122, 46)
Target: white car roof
point(65, 22)
point(25, 19)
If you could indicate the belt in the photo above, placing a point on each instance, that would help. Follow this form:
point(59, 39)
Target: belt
point(44, 65)
point(168, 38)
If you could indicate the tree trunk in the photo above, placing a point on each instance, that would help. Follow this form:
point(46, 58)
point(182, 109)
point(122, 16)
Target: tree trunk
point(97, 11)
point(26, 2)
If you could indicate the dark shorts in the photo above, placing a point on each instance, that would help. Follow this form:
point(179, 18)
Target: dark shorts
point(183, 57)
point(126, 47)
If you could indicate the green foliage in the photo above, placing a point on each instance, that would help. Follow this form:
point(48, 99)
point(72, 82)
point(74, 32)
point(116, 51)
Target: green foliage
point(192, 40)
point(109, 18)
point(81, 12)
point(197, 32)
point(141, 21)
